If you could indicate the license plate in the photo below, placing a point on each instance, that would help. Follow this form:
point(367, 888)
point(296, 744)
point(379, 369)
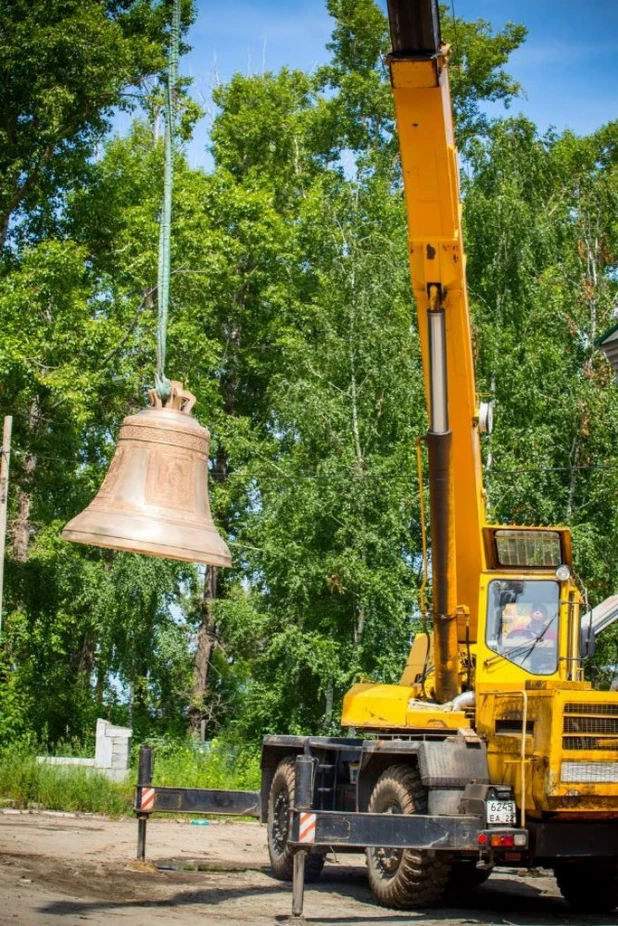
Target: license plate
point(501, 812)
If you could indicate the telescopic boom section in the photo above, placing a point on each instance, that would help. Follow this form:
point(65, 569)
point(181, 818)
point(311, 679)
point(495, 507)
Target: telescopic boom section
point(418, 66)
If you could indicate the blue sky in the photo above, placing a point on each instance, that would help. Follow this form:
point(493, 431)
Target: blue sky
point(568, 65)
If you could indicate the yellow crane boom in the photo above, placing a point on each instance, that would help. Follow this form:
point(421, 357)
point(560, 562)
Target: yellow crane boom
point(419, 76)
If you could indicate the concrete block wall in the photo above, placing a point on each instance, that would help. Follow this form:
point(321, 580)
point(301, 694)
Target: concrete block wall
point(112, 750)
point(111, 756)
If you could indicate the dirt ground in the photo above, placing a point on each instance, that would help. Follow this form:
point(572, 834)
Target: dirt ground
point(65, 870)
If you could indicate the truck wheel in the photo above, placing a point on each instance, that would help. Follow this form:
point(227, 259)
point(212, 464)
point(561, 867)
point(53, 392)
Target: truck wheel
point(589, 887)
point(404, 878)
point(280, 799)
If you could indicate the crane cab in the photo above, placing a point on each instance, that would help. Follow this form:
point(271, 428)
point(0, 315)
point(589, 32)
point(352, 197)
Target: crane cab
point(529, 609)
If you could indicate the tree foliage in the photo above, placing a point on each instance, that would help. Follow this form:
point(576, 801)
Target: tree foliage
point(64, 67)
point(293, 323)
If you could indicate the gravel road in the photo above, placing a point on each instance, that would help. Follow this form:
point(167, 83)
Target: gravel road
point(60, 870)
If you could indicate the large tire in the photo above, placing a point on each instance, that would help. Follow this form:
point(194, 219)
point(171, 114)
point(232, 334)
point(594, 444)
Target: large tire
point(280, 799)
point(404, 878)
point(589, 887)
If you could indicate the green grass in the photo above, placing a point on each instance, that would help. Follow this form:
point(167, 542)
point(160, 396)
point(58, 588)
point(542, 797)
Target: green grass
point(29, 783)
point(182, 764)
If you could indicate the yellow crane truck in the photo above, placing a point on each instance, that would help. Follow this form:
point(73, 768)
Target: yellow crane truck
point(492, 748)
point(492, 714)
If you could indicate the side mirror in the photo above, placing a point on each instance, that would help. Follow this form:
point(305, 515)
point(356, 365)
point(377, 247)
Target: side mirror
point(587, 641)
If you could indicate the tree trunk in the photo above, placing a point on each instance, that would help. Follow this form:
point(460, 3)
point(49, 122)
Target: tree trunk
point(207, 637)
point(206, 641)
point(101, 674)
point(86, 660)
point(328, 708)
point(21, 530)
point(573, 459)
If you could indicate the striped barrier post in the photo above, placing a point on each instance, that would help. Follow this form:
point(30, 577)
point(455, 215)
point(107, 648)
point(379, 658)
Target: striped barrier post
point(303, 798)
point(150, 799)
point(146, 796)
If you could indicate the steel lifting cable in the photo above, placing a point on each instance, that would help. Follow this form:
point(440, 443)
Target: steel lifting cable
point(162, 383)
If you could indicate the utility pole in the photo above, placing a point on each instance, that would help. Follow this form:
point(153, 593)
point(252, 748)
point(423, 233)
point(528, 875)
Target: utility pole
point(5, 458)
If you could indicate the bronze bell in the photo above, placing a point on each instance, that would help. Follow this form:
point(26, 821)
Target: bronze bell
point(154, 498)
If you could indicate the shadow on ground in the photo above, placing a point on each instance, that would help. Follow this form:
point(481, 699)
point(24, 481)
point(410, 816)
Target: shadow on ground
point(503, 901)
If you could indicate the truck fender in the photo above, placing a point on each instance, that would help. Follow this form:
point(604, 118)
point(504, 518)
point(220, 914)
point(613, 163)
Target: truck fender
point(444, 765)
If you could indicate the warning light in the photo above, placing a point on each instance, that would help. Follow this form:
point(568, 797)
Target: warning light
point(482, 839)
point(502, 840)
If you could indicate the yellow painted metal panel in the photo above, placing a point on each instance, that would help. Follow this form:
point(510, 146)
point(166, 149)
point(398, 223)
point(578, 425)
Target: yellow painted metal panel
point(552, 769)
point(386, 707)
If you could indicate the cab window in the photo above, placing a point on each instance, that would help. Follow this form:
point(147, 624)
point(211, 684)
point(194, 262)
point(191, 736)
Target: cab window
point(522, 623)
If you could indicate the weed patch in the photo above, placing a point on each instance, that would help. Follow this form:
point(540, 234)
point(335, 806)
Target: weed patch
point(177, 763)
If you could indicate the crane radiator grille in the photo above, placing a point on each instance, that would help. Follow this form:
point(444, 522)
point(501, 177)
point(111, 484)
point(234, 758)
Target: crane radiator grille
point(589, 772)
point(590, 726)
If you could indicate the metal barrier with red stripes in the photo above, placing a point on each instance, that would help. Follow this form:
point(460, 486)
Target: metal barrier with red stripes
point(151, 799)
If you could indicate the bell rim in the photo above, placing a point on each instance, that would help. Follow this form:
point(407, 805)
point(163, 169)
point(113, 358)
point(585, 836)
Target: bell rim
point(144, 548)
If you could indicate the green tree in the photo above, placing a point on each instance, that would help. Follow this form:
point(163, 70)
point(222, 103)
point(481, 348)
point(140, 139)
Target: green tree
point(293, 323)
point(355, 111)
point(330, 540)
point(540, 217)
point(65, 66)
